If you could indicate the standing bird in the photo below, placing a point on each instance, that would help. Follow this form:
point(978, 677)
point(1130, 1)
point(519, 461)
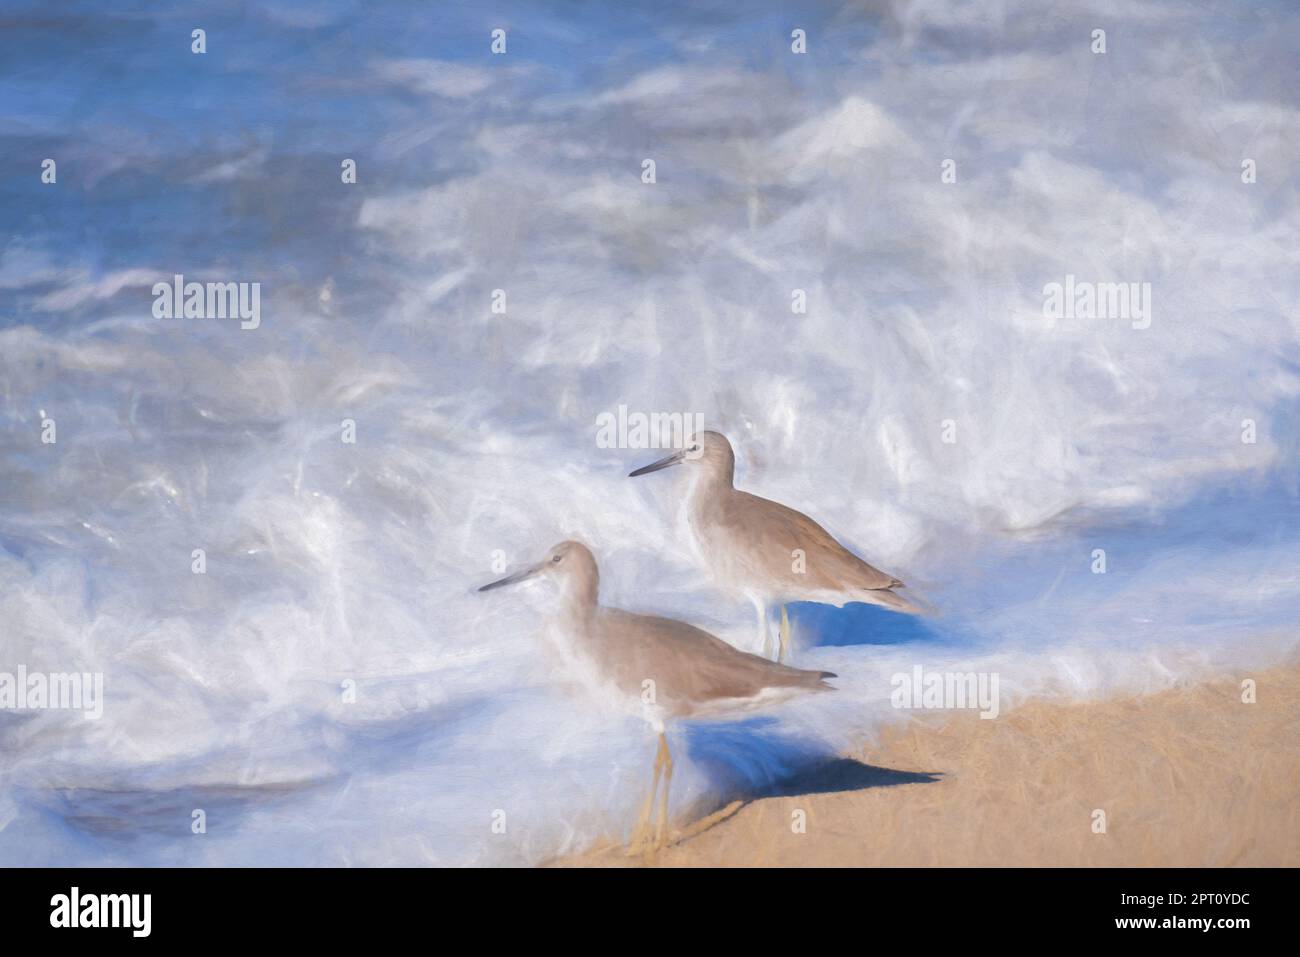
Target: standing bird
point(660, 667)
point(770, 553)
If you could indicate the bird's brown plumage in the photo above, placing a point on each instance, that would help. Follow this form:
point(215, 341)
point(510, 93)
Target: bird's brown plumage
point(778, 529)
point(764, 548)
point(692, 670)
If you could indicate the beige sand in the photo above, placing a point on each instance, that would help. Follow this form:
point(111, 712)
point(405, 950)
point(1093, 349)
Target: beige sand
point(1189, 777)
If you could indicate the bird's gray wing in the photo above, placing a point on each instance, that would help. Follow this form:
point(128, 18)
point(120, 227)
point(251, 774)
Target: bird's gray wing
point(776, 530)
point(689, 666)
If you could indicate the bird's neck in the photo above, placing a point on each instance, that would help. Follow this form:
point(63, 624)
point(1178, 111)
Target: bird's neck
point(578, 599)
point(710, 486)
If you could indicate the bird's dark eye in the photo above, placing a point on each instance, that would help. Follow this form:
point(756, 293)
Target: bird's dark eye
point(556, 559)
point(693, 448)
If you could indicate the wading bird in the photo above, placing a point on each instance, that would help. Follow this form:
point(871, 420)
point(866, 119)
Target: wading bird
point(765, 550)
point(660, 667)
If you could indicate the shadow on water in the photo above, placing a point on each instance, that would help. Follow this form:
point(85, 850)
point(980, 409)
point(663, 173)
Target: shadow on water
point(128, 814)
point(133, 811)
point(746, 761)
point(856, 624)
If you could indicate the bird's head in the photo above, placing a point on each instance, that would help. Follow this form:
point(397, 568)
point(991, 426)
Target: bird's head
point(568, 563)
point(705, 453)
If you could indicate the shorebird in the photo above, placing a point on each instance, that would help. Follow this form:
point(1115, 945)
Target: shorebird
point(765, 550)
point(660, 667)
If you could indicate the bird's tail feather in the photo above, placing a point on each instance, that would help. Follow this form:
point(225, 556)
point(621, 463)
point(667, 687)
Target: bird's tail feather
point(893, 601)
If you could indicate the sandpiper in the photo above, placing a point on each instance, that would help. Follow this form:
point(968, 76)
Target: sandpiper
point(765, 550)
point(660, 667)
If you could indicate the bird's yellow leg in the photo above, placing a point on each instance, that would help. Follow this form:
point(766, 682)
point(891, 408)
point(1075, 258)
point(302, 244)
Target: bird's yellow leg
point(767, 633)
point(666, 758)
point(785, 636)
point(641, 833)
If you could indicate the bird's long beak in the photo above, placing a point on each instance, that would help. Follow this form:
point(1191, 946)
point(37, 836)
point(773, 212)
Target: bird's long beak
point(512, 579)
point(666, 462)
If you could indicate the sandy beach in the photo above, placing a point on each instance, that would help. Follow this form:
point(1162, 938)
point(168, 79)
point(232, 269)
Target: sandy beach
point(1189, 777)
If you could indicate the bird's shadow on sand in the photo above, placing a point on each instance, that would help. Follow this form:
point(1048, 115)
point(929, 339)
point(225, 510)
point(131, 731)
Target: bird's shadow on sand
point(747, 761)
